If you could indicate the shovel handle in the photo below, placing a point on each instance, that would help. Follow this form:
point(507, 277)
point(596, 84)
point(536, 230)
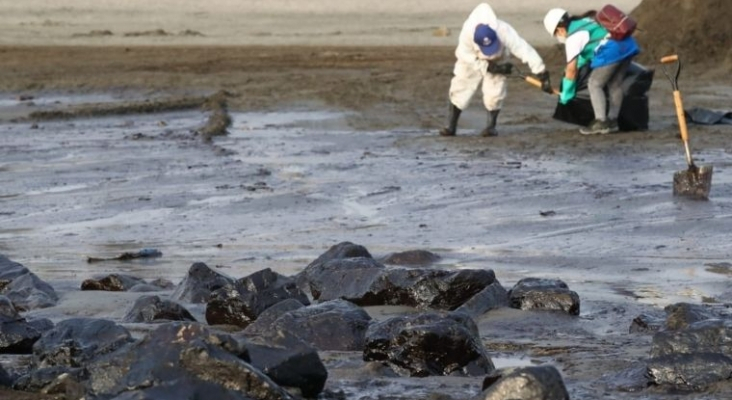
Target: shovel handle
point(682, 125)
point(680, 115)
point(535, 82)
point(674, 58)
point(669, 59)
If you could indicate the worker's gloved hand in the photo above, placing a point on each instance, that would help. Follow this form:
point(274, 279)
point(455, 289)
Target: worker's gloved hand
point(569, 88)
point(500, 69)
point(546, 84)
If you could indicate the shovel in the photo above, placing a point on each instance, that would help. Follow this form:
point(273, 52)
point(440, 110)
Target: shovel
point(695, 182)
point(530, 79)
point(535, 82)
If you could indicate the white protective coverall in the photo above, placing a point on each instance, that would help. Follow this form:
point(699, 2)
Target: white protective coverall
point(470, 68)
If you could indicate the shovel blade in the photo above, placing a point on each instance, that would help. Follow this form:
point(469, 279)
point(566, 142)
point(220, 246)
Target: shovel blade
point(694, 183)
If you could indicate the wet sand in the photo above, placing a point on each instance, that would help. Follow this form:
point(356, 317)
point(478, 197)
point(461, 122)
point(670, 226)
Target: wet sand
point(540, 200)
point(330, 144)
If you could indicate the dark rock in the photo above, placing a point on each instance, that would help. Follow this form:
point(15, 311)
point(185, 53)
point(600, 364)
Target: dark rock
point(163, 283)
point(366, 282)
point(340, 251)
point(692, 358)
point(631, 380)
point(290, 362)
point(270, 315)
point(197, 286)
point(681, 315)
point(41, 324)
point(5, 379)
point(112, 283)
point(437, 289)
point(347, 278)
point(54, 379)
point(266, 288)
point(226, 307)
point(689, 371)
point(76, 341)
point(17, 335)
point(645, 323)
point(428, 344)
point(8, 313)
point(544, 294)
point(334, 325)
point(525, 383)
point(411, 258)
point(126, 256)
point(241, 303)
point(153, 308)
point(10, 270)
point(24, 288)
point(710, 336)
point(29, 292)
point(189, 355)
point(67, 385)
point(492, 297)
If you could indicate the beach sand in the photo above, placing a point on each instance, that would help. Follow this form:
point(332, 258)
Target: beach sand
point(335, 108)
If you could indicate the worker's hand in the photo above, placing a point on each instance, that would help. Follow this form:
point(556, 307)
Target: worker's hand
point(546, 84)
point(500, 69)
point(569, 87)
point(565, 97)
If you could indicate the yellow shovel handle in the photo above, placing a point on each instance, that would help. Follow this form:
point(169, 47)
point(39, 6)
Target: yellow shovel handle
point(682, 126)
point(669, 59)
point(537, 83)
point(680, 115)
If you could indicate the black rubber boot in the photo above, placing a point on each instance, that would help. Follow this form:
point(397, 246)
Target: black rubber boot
point(490, 130)
point(451, 128)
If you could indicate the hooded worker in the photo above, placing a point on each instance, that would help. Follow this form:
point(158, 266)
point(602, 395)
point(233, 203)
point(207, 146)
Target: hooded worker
point(484, 47)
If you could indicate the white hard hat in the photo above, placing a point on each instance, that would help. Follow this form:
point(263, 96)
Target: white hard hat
point(553, 18)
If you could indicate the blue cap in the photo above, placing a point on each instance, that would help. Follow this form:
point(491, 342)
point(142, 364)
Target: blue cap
point(487, 39)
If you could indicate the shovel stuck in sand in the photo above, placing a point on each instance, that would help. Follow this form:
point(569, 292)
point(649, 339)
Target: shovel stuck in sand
point(695, 182)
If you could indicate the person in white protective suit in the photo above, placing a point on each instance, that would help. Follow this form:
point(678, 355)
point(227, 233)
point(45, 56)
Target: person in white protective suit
point(484, 47)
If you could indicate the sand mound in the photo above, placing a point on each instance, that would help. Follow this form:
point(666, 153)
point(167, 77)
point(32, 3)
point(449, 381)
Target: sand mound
point(700, 31)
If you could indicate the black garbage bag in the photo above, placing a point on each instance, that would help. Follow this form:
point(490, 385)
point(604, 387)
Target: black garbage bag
point(705, 116)
point(634, 111)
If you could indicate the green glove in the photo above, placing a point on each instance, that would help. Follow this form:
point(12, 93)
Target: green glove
point(569, 88)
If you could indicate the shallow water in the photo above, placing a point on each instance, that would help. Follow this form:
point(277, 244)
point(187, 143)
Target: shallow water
point(282, 187)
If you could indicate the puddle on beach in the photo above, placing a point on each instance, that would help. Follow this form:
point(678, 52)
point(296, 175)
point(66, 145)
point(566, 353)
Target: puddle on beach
point(246, 122)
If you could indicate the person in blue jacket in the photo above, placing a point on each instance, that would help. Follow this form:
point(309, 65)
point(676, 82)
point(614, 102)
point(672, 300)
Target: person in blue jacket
point(588, 42)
